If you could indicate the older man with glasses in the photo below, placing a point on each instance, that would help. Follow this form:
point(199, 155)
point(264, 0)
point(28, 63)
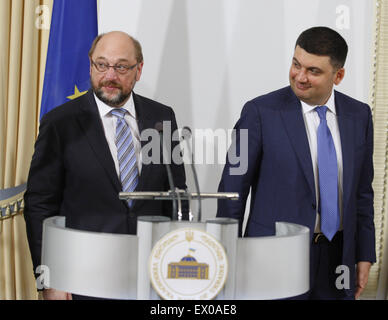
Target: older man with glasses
point(89, 149)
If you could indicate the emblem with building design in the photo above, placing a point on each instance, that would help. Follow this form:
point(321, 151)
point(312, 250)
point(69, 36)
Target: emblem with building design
point(188, 267)
point(188, 255)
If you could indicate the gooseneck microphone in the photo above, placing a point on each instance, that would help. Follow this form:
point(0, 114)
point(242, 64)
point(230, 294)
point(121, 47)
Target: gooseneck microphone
point(186, 134)
point(176, 214)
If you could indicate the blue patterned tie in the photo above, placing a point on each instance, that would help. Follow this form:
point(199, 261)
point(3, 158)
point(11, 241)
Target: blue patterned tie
point(129, 174)
point(328, 177)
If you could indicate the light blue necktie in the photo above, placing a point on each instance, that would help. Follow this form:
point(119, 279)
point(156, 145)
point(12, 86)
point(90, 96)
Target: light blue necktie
point(328, 177)
point(129, 174)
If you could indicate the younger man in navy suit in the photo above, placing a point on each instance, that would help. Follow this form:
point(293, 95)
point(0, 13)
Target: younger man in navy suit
point(310, 162)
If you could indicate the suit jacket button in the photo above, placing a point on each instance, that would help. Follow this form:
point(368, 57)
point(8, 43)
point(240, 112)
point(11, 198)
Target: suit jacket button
point(314, 206)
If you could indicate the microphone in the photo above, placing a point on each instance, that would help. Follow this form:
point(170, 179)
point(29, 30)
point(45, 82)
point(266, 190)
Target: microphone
point(176, 214)
point(186, 134)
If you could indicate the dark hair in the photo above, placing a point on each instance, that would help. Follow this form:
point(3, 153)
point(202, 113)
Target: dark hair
point(136, 44)
point(324, 41)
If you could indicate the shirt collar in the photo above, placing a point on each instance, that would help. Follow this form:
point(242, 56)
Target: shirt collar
point(330, 104)
point(105, 110)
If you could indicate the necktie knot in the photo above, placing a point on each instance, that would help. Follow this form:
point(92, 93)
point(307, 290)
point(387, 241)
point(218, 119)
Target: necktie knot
point(321, 112)
point(119, 112)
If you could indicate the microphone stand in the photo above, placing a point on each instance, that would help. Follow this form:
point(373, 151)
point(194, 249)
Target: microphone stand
point(174, 194)
point(176, 214)
point(187, 136)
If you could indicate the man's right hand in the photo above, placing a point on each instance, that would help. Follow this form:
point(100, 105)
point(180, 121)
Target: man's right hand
point(52, 294)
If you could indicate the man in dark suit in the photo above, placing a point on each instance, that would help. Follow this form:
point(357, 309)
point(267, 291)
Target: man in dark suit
point(89, 149)
point(309, 151)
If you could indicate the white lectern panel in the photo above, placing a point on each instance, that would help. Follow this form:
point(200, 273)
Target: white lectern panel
point(111, 266)
point(274, 267)
point(90, 263)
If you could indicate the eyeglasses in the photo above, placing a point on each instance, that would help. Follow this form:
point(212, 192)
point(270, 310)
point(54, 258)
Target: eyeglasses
point(120, 68)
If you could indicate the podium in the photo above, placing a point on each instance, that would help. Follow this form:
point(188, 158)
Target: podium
point(118, 266)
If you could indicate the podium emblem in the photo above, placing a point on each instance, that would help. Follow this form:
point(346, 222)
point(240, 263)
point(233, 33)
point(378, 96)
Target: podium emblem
point(188, 264)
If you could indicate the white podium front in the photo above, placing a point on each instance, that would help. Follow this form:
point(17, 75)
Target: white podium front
point(116, 266)
point(274, 267)
point(89, 263)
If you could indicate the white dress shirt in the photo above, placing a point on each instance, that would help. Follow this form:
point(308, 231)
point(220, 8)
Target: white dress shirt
point(312, 120)
point(109, 123)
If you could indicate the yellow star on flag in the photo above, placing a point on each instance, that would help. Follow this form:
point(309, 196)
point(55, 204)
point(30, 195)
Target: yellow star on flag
point(76, 93)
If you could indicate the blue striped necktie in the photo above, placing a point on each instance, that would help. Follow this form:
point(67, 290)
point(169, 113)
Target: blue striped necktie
point(328, 177)
point(129, 174)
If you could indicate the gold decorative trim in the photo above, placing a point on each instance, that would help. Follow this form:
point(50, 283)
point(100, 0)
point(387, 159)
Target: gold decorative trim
point(378, 100)
point(12, 208)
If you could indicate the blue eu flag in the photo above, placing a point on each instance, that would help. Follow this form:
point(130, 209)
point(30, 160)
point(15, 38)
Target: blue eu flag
point(73, 28)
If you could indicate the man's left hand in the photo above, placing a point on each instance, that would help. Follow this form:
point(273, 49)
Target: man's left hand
point(363, 268)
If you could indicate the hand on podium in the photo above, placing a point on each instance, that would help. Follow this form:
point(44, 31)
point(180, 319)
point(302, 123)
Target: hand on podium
point(52, 294)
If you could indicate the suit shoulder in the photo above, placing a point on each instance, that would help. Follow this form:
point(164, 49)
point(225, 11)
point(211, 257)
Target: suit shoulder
point(153, 105)
point(351, 105)
point(65, 110)
point(271, 100)
point(348, 99)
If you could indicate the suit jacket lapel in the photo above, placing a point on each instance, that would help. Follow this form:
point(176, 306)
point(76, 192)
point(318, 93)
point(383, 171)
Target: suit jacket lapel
point(90, 122)
point(293, 121)
point(346, 129)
